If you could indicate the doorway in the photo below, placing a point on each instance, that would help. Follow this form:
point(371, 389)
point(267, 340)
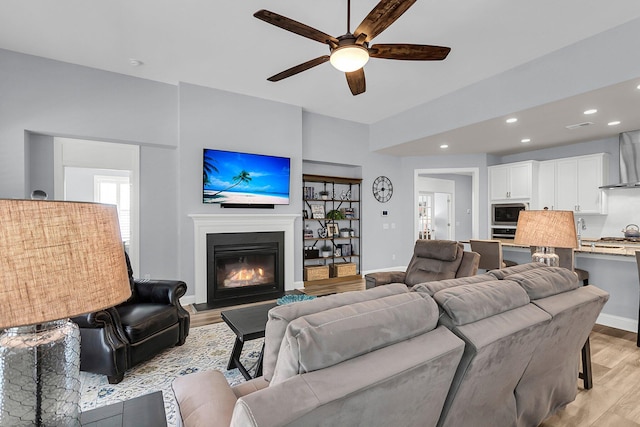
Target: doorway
point(436, 217)
point(473, 203)
point(103, 172)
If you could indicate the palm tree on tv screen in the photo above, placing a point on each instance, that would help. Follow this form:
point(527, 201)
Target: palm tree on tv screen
point(242, 177)
point(208, 168)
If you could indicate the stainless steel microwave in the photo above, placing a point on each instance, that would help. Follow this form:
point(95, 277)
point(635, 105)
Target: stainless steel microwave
point(506, 213)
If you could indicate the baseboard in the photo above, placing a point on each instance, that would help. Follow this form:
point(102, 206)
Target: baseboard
point(617, 322)
point(398, 268)
point(187, 300)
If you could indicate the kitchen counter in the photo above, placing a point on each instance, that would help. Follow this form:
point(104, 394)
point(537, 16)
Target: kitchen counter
point(594, 246)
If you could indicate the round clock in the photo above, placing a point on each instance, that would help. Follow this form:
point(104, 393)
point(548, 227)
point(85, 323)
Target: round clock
point(382, 189)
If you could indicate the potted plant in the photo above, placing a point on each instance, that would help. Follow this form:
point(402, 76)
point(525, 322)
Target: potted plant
point(324, 195)
point(326, 251)
point(335, 214)
point(346, 232)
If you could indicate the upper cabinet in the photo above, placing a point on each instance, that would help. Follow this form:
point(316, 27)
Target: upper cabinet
point(572, 184)
point(513, 181)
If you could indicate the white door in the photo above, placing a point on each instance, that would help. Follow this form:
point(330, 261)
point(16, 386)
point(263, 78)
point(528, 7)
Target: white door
point(103, 172)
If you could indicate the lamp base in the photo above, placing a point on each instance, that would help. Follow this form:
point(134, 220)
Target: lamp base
point(546, 255)
point(40, 375)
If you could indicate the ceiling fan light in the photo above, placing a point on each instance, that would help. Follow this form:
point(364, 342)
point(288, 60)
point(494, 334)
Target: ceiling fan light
point(349, 58)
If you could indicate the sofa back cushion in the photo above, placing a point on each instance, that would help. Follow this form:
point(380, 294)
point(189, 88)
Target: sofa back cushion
point(326, 338)
point(434, 260)
point(281, 316)
point(504, 272)
point(545, 282)
point(430, 288)
point(470, 303)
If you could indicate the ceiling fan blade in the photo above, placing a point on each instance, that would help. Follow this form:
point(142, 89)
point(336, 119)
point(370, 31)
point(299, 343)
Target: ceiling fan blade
point(294, 26)
point(384, 14)
point(409, 52)
point(299, 68)
point(356, 81)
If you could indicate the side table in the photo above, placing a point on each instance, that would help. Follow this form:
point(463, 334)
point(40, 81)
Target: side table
point(248, 323)
point(143, 411)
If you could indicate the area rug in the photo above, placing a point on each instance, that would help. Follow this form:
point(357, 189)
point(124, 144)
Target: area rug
point(207, 347)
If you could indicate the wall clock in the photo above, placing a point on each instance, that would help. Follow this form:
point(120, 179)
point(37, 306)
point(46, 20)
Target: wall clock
point(382, 189)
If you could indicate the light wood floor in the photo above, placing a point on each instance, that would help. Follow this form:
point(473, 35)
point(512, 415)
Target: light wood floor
point(614, 400)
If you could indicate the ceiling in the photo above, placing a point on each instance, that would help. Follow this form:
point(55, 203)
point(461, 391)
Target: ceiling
point(221, 45)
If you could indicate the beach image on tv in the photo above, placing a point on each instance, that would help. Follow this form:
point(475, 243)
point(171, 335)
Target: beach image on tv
point(241, 178)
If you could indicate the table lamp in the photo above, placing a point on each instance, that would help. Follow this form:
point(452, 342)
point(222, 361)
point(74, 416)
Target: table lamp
point(57, 260)
point(546, 230)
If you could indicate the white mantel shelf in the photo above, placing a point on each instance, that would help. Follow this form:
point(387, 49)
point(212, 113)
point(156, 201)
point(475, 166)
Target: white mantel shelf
point(244, 223)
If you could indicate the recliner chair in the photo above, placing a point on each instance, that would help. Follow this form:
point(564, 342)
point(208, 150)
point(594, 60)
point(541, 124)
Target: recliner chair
point(432, 260)
point(118, 338)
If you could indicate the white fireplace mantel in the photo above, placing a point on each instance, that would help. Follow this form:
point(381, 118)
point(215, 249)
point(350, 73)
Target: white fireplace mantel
point(247, 223)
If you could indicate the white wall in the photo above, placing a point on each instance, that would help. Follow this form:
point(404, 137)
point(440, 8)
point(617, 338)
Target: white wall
point(211, 118)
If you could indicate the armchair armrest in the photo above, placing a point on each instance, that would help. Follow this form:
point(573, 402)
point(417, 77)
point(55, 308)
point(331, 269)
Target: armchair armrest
point(384, 278)
point(97, 319)
point(160, 291)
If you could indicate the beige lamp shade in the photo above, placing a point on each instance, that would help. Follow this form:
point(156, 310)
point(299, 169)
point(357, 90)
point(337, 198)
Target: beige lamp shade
point(554, 229)
point(58, 260)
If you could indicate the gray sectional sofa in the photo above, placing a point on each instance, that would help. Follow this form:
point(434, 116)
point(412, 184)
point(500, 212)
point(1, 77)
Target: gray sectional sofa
point(497, 349)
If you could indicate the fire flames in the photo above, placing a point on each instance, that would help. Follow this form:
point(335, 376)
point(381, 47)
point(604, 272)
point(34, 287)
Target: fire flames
point(245, 277)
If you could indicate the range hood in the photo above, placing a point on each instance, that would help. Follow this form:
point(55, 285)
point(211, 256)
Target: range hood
point(629, 161)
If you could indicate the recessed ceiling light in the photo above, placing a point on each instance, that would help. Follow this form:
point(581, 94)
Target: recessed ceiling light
point(135, 62)
point(511, 120)
point(591, 111)
point(443, 146)
point(638, 87)
point(525, 140)
point(614, 123)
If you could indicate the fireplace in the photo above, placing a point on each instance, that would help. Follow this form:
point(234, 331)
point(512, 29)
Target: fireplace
point(244, 267)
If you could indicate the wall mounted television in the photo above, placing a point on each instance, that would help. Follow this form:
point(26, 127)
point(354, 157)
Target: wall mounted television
point(234, 179)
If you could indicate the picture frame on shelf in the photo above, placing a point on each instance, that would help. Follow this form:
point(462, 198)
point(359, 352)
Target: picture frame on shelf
point(333, 230)
point(337, 252)
point(317, 211)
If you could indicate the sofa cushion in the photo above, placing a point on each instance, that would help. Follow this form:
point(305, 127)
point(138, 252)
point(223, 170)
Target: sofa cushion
point(204, 399)
point(470, 303)
point(281, 316)
point(500, 274)
point(329, 337)
point(430, 288)
point(442, 250)
point(544, 282)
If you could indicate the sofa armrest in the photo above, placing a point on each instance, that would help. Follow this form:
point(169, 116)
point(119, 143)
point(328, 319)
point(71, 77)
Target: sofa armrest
point(204, 398)
point(160, 291)
point(384, 278)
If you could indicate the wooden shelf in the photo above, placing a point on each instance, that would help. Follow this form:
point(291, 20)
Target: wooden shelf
point(344, 194)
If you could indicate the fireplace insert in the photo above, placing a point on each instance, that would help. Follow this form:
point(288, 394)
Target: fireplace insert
point(244, 267)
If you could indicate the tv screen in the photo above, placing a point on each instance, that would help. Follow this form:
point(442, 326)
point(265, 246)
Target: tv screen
point(232, 178)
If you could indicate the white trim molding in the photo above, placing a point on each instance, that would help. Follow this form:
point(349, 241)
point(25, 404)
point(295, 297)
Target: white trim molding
point(247, 223)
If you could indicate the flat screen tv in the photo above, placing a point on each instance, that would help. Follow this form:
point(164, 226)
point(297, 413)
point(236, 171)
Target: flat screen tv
point(234, 179)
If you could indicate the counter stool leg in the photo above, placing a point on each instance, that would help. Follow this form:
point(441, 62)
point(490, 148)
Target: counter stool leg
point(587, 374)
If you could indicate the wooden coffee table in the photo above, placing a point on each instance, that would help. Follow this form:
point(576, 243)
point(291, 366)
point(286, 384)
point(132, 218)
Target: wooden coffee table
point(248, 323)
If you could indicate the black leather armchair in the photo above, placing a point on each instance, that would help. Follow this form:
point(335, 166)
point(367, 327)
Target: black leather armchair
point(118, 338)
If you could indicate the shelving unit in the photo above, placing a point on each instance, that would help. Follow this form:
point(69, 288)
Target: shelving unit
point(342, 262)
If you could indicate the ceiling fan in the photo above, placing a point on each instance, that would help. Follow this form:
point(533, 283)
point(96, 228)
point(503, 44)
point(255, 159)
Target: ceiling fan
point(349, 52)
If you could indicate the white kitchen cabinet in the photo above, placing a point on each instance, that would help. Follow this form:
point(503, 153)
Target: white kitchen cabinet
point(572, 184)
point(512, 181)
point(546, 185)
